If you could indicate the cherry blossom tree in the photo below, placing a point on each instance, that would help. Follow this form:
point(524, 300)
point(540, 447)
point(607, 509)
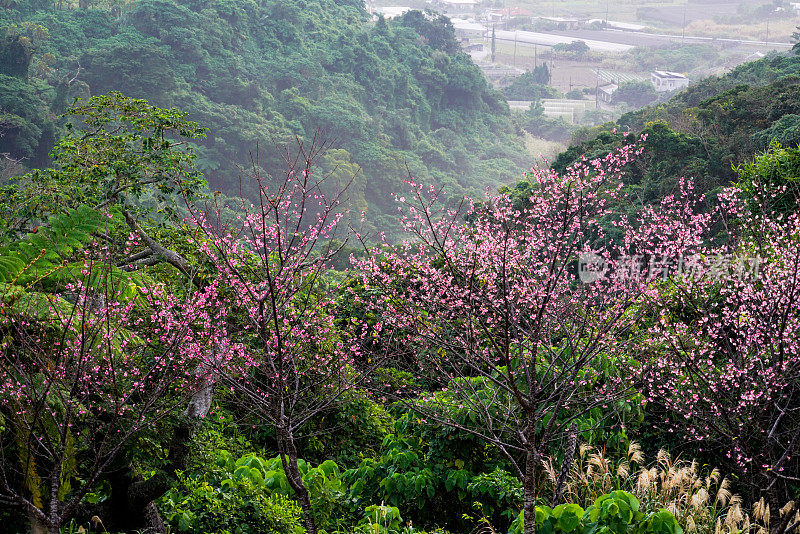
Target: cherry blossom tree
point(270, 260)
point(725, 352)
point(86, 371)
point(512, 308)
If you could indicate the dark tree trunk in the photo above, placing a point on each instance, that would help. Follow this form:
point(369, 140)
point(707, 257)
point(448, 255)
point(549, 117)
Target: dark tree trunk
point(533, 461)
point(288, 451)
point(569, 454)
point(132, 505)
point(530, 491)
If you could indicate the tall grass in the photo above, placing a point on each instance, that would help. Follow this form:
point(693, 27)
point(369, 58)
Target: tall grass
point(698, 496)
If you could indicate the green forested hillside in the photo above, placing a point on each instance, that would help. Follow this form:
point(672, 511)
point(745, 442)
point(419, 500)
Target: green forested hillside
point(394, 96)
point(595, 353)
point(705, 131)
point(180, 367)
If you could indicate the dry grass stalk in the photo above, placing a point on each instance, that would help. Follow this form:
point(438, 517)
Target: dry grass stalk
point(701, 500)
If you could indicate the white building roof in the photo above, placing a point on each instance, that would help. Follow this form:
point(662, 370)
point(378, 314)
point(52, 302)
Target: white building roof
point(391, 12)
point(609, 89)
point(562, 19)
point(467, 25)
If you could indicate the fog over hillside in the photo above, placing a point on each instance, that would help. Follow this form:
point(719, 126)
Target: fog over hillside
point(399, 267)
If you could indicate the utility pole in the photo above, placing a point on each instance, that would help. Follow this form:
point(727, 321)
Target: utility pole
point(515, 48)
point(766, 39)
point(683, 31)
point(535, 57)
point(494, 44)
point(597, 91)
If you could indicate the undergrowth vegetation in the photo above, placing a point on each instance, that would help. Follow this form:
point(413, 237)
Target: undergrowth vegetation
point(348, 343)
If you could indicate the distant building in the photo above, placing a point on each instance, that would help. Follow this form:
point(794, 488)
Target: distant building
point(500, 75)
point(466, 29)
point(565, 24)
point(456, 6)
point(507, 13)
point(664, 80)
point(390, 12)
point(569, 110)
point(605, 92)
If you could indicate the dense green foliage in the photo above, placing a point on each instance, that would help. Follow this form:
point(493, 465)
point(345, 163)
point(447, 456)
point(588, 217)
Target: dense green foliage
point(770, 181)
point(535, 122)
point(573, 50)
point(614, 513)
point(123, 151)
point(249, 494)
point(371, 464)
point(704, 131)
point(532, 85)
point(399, 451)
point(635, 94)
point(429, 477)
point(680, 58)
point(395, 96)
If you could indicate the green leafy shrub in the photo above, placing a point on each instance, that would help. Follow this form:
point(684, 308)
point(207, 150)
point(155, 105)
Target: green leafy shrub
point(348, 433)
point(531, 85)
point(536, 123)
point(239, 507)
point(770, 181)
point(250, 494)
point(498, 491)
point(432, 474)
point(613, 513)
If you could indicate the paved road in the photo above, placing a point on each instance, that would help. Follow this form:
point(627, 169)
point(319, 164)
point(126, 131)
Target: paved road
point(623, 40)
point(655, 39)
point(550, 39)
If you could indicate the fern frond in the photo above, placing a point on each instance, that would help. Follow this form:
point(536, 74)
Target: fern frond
point(45, 250)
